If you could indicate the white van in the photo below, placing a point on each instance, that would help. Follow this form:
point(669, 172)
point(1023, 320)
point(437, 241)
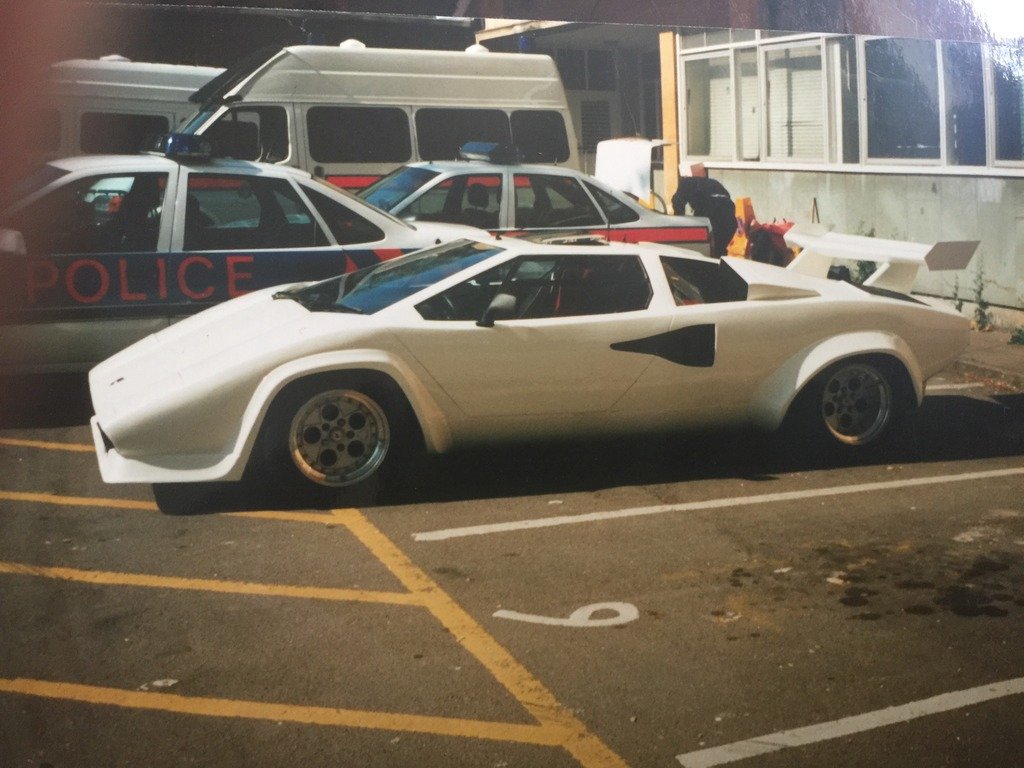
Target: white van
point(351, 114)
point(112, 105)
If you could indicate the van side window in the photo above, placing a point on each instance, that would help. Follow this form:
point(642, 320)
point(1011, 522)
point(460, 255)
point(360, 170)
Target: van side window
point(358, 134)
point(110, 133)
point(440, 132)
point(346, 225)
point(113, 213)
point(227, 212)
point(539, 134)
point(251, 133)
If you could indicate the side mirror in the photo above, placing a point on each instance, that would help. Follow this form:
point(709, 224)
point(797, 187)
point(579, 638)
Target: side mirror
point(502, 307)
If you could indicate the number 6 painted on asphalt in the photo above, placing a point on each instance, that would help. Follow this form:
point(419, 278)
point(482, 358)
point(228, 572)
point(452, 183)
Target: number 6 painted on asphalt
point(581, 617)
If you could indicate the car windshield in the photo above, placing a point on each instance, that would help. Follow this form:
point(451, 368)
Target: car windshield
point(374, 288)
point(396, 187)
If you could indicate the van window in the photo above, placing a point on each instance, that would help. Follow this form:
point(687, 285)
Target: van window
point(440, 132)
point(358, 134)
point(251, 133)
point(539, 134)
point(112, 133)
point(227, 212)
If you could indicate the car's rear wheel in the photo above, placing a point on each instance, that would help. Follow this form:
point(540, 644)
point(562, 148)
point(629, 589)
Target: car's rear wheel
point(333, 437)
point(852, 405)
point(856, 403)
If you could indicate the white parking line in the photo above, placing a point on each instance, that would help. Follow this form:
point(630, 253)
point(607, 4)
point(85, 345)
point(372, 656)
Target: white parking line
point(811, 734)
point(693, 506)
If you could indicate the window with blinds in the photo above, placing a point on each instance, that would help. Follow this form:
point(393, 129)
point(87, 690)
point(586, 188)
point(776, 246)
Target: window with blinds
point(710, 121)
point(795, 103)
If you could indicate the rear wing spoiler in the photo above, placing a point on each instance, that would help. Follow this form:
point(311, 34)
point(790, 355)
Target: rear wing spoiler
point(898, 260)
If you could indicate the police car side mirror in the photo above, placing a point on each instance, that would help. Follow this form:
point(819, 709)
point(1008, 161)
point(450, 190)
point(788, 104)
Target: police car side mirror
point(502, 307)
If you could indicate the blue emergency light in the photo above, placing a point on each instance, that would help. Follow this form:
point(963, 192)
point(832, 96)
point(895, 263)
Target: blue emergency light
point(184, 145)
point(489, 151)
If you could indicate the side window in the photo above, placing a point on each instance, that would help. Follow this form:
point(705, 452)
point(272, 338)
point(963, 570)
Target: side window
point(615, 211)
point(346, 225)
point(699, 282)
point(480, 200)
point(553, 201)
point(251, 133)
point(473, 199)
point(227, 212)
point(96, 214)
point(110, 133)
point(440, 132)
point(540, 135)
point(358, 134)
point(568, 286)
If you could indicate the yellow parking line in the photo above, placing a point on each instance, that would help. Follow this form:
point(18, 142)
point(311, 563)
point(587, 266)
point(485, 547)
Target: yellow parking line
point(211, 585)
point(77, 501)
point(46, 446)
point(292, 713)
point(568, 732)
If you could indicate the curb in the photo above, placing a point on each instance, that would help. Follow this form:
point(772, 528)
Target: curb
point(974, 368)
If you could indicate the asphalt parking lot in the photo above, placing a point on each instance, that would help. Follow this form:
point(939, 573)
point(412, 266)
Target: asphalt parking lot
point(686, 601)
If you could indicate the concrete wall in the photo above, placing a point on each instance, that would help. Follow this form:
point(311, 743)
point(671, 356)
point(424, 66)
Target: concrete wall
point(919, 208)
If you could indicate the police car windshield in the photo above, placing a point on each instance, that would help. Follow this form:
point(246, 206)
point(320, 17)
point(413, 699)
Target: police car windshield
point(396, 187)
point(374, 288)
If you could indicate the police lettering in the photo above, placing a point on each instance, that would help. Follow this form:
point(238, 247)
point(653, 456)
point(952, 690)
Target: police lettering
point(136, 279)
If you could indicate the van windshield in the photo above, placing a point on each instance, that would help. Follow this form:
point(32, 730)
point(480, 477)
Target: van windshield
point(395, 188)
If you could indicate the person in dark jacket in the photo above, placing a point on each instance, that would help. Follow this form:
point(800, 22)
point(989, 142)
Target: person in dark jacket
point(707, 197)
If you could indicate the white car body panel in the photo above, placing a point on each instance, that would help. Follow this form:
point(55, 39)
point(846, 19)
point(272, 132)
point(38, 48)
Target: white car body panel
point(186, 404)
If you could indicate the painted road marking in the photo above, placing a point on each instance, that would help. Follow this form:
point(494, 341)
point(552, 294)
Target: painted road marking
point(47, 446)
point(111, 578)
point(847, 726)
point(77, 501)
point(290, 713)
point(569, 732)
point(557, 726)
point(695, 506)
point(581, 617)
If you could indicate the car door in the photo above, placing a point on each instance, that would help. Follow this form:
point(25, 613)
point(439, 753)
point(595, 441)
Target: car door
point(554, 203)
point(242, 231)
point(555, 355)
point(85, 286)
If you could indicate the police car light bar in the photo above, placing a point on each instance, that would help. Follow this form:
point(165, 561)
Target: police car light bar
point(489, 151)
point(184, 145)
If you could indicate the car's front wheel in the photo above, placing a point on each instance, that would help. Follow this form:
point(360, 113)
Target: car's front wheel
point(332, 435)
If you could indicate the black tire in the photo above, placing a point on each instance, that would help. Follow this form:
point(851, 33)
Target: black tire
point(334, 437)
point(854, 406)
point(181, 498)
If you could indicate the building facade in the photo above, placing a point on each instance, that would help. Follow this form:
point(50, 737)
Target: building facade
point(892, 137)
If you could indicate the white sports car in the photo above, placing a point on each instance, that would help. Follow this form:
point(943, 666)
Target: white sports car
point(327, 385)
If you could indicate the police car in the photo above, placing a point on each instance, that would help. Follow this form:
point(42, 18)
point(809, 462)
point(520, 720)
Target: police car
point(487, 188)
point(103, 250)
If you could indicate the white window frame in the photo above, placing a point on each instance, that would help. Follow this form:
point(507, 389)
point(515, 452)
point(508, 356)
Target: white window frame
point(765, 116)
point(992, 114)
point(684, 128)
